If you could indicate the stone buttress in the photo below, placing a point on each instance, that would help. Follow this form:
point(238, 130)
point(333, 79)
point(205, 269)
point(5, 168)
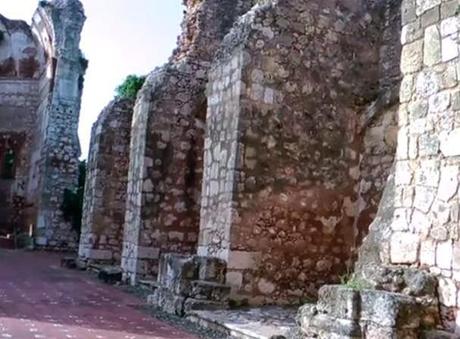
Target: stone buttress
point(164, 180)
point(106, 184)
point(418, 223)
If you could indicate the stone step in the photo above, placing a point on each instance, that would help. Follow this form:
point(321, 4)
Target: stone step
point(436, 334)
point(180, 305)
point(214, 326)
point(69, 262)
point(205, 290)
point(110, 274)
point(6, 243)
point(191, 304)
point(151, 285)
point(266, 322)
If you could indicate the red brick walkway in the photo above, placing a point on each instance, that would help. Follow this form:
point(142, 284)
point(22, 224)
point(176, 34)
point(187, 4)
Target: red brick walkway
point(38, 299)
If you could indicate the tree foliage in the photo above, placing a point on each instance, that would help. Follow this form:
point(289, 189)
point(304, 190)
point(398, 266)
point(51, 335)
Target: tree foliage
point(130, 87)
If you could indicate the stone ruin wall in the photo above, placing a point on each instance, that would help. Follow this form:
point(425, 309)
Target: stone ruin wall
point(299, 142)
point(106, 184)
point(164, 183)
point(417, 224)
point(288, 67)
point(255, 202)
point(59, 24)
point(31, 66)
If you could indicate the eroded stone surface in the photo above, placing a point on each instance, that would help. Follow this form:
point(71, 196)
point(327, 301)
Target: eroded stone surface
point(351, 313)
point(187, 283)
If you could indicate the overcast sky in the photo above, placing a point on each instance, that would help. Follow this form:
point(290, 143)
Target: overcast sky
point(120, 37)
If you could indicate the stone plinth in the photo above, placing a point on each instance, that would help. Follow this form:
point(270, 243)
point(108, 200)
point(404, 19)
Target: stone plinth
point(350, 313)
point(187, 283)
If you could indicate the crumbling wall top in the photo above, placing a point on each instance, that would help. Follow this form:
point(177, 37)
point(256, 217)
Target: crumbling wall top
point(204, 25)
point(19, 53)
point(63, 21)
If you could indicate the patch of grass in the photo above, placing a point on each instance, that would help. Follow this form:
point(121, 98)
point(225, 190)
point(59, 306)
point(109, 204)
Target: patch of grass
point(238, 303)
point(353, 281)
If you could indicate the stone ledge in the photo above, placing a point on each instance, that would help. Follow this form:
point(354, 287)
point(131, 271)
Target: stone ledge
point(251, 323)
point(204, 290)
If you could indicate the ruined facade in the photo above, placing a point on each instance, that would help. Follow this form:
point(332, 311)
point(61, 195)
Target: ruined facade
point(285, 144)
point(41, 79)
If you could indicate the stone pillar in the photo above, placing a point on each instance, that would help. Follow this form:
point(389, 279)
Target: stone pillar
point(58, 24)
point(164, 181)
point(418, 223)
point(287, 97)
point(425, 228)
point(106, 184)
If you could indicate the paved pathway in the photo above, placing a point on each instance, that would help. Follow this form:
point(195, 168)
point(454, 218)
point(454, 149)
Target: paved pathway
point(38, 299)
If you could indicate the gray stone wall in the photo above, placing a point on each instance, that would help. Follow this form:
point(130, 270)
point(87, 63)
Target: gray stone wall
point(106, 184)
point(299, 121)
point(419, 217)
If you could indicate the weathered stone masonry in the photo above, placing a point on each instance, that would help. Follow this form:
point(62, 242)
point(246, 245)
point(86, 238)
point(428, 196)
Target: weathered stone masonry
point(41, 71)
point(164, 185)
point(106, 184)
point(294, 165)
point(408, 260)
point(419, 218)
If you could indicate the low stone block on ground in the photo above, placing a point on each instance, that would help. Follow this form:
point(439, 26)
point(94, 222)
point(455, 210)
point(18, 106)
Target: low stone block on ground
point(249, 323)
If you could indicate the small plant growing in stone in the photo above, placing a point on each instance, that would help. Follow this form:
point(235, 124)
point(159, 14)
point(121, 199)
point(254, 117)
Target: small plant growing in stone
point(130, 87)
point(351, 280)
